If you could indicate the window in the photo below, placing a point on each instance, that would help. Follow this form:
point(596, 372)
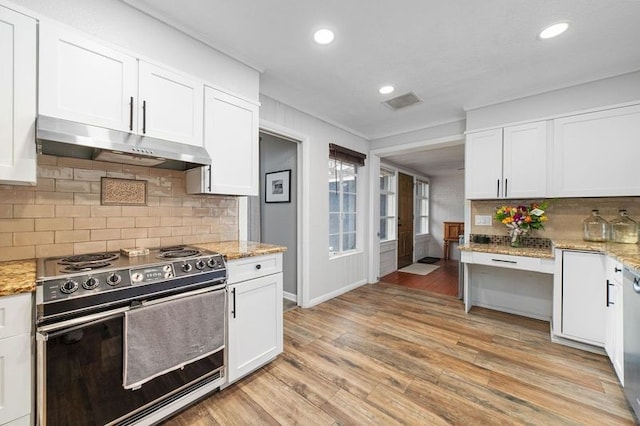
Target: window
point(422, 207)
point(342, 206)
point(387, 205)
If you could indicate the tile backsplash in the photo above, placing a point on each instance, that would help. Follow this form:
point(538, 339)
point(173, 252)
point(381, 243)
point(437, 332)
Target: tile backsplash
point(565, 214)
point(62, 214)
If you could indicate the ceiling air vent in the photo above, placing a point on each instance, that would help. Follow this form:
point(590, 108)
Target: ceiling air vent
point(402, 101)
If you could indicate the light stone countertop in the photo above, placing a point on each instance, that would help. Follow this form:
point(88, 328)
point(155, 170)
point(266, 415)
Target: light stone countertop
point(239, 249)
point(629, 254)
point(505, 249)
point(19, 276)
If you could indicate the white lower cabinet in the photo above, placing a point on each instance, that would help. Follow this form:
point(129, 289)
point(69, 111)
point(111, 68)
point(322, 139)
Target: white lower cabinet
point(614, 332)
point(255, 332)
point(583, 297)
point(16, 384)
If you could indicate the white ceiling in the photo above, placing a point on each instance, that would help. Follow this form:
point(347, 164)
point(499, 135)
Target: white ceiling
point(436, 161)
point(454, 54)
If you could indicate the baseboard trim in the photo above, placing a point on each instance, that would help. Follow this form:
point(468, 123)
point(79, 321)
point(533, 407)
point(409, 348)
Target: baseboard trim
point(290, 296)
point(335, 293)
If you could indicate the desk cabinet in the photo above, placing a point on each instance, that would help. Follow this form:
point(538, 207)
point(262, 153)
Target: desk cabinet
point(452, 230)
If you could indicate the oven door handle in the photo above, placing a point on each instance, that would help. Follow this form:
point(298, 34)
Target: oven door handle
point(83, 323)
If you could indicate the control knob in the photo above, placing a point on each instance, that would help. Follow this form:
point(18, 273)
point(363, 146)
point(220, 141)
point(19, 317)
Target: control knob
point(212, 262)
point(90, 283)
point(186, 267)
point(114, 279)
point(69, 286)
point(200, 265)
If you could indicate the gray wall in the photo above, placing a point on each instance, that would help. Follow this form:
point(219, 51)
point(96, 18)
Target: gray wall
point(278, 221)
point(446, 205)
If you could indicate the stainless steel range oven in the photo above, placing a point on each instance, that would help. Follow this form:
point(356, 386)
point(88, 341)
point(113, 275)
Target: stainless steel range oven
point(128, 340)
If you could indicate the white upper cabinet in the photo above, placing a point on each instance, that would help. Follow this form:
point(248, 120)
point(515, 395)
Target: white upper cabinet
point(507, 163)
point(483, 164)
point(85, 81)
point(17, 98)
point(231, 137)
point(170, 105)
point(596, 154)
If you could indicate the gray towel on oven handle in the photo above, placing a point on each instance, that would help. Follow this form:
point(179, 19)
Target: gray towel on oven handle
point(166, 336)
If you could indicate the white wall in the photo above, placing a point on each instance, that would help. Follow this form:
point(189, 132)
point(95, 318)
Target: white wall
point(446, 205)
point(324, 277)
point(120, 24)
point(600, 93)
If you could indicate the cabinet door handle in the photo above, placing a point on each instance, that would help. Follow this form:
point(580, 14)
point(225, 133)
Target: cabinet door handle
point(258, 266)
point(233, 309)
point(498, 188)
point(506, 186)
point(131, 114)
point(505, 261)
point(209, 179)
point(144, 117)
point(609, 302)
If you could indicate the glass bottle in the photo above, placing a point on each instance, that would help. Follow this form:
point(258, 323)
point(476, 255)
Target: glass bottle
point(595, 228)
point(624, 229)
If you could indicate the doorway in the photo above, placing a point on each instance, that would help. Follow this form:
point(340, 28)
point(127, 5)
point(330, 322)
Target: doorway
point(405, 220)
point(277, 222)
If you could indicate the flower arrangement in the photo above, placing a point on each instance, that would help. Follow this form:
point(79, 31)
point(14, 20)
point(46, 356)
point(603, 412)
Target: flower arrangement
point(520, 219)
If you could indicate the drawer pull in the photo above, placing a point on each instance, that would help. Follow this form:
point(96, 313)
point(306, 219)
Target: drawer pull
point(505, 261)
point(616, 269)
point(258, 266)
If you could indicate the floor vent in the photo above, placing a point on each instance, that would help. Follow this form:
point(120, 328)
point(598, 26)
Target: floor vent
point(402, 101)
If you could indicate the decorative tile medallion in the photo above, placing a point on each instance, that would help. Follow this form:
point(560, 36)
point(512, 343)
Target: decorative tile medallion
point(123, 192)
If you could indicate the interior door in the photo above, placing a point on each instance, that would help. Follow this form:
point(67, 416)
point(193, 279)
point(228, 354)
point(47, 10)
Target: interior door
point(405, 220)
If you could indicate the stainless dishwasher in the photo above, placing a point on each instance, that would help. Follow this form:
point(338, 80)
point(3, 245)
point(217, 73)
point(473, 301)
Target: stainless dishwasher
point(631, 313)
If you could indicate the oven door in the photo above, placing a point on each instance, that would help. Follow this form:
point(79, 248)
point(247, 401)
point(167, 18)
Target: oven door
point(80, 374)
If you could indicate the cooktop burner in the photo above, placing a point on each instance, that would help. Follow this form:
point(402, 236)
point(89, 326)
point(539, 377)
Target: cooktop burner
point(84, 266)
point(171, 248)
point(177, 254)
point(87, 259)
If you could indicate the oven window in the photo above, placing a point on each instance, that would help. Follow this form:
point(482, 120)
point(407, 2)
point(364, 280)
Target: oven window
point(83, 373)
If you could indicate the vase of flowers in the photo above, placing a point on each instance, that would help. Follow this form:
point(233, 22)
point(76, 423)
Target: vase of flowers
point(519, 220)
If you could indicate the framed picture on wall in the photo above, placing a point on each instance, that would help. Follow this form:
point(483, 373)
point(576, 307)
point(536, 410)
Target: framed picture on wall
point(277, 187)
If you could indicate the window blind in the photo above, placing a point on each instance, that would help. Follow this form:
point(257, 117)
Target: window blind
point(347, 155)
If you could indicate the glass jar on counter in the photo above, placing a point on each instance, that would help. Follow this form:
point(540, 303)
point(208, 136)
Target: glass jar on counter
point(595, 228)
point(624, 229)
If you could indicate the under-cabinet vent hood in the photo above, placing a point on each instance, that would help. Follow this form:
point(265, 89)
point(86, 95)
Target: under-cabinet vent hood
point(71, 139)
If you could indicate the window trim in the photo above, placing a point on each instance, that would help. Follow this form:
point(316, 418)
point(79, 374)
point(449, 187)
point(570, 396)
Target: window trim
point(391, 204)
point(357, 212)
point(417, 199)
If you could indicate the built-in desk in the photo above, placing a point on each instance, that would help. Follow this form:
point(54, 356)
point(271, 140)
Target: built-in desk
point(514, 280)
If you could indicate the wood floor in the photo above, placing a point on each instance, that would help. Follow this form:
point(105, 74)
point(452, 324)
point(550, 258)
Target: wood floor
point(443, 280)
point(385, 354)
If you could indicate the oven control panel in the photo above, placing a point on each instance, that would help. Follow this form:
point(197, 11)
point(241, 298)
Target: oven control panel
point(151, 274)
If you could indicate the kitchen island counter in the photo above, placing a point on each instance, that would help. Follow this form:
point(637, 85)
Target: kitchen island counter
point(17, 276)
point(240, 249)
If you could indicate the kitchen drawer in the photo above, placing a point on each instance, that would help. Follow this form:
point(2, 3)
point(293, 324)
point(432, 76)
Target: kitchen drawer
point(525, 263)
point(254, 267)
point(15, 315)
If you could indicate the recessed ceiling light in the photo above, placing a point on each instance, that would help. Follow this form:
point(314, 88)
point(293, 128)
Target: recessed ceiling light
point(323, 36)
point(554, 30)
point(385, 90)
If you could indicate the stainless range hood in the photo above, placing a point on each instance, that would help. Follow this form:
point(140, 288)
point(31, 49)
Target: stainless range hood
point(71, 139)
